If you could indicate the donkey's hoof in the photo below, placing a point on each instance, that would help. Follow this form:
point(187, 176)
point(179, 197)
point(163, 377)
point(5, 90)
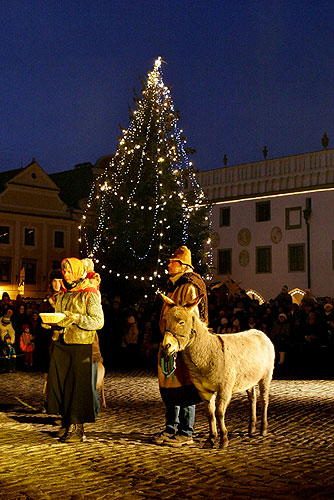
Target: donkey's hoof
point(223, 443)
point(251, 430)
point(209, 443)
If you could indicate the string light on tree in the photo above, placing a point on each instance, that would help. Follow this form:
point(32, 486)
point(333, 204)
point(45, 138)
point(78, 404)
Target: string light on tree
point(147, 199)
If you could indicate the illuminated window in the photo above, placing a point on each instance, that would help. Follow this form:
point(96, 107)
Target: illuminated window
point(30, 266)
point(5, 269)
point(29, 237)
point(293, 218)
point(296, 255)
point(4, 234)
point(263, 259)
point(225, 261)
point(263, 212)
point(59, 239)
point(225, 217)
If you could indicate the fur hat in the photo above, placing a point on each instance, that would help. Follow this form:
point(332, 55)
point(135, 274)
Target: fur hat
point(282, 315)
point(328, 306)
point(183, 255)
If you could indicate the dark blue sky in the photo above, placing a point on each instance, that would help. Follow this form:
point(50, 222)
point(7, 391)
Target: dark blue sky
point(243, 74)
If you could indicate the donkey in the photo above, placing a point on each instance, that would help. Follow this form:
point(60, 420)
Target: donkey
point(220, 365)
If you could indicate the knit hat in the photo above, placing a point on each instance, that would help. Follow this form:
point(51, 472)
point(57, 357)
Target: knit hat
point(183, 255)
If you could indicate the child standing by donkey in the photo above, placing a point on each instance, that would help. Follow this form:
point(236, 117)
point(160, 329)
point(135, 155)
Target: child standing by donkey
point(27, 346)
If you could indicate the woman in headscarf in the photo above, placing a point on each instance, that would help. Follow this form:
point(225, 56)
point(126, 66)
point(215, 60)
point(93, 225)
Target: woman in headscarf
point(70, 389)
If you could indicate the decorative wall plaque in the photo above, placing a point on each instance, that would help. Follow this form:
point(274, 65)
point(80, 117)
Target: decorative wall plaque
point(276, 234)
point(244, 258)
point(215, 240)
point(244, 237)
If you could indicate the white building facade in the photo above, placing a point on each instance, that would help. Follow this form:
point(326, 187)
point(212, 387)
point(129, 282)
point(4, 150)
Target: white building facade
point(273, 223)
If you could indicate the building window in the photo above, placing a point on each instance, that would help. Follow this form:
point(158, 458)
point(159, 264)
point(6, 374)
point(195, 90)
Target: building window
point(29, 237)
point(59, 239)
point(225, 261)
point(263, 211)
point(296, 255)
point(225, 217)
point(293, 218)
point(4, 234)
point(5, 269)
point(30, 267)
point(263, 259)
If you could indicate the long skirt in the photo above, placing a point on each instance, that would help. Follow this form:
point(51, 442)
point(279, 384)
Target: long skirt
point(69, 388)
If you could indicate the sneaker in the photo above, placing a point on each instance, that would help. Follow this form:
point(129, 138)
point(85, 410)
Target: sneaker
point(180, 440)
point(162, 438)
point(75, 434)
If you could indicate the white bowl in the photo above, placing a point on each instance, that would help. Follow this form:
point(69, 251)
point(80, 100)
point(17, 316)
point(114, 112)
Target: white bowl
point(52, 318)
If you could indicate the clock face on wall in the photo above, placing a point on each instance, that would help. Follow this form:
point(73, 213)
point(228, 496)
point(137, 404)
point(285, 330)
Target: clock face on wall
point(276, 234)
point(244, 237)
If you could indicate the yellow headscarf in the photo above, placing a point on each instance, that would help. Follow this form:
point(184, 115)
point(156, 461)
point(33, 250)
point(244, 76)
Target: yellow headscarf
point(81, 283)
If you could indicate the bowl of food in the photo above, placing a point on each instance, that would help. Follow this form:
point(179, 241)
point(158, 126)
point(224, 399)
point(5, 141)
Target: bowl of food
point(52, 318)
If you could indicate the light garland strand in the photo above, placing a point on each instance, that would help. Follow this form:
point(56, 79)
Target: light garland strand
point(157, 104)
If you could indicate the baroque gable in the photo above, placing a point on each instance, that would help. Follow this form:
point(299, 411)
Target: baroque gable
point(31, 191)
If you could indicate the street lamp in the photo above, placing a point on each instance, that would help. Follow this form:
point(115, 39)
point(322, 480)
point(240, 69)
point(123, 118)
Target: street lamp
point(307, 215)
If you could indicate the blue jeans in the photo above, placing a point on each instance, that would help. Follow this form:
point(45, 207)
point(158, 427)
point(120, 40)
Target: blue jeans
point(180, 419)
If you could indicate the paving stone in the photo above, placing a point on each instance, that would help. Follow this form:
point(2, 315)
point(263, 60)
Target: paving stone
point(118, 460)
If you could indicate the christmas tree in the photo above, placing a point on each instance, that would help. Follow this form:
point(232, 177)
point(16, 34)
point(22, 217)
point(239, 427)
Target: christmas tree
point(148, 201)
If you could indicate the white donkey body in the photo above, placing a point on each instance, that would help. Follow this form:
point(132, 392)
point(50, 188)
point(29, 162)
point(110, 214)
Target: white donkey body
point(220, 365)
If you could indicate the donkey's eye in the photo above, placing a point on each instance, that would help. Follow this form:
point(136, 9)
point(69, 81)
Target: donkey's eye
point(181, 322)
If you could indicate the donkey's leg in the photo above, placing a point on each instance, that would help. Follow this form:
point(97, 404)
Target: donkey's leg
point(223, 399)
point(210, 405)
point(264, 385)
point(251, 393)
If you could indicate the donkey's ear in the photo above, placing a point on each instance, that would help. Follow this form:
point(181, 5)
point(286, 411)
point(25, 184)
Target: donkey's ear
point(167, 300)
point(194, 303)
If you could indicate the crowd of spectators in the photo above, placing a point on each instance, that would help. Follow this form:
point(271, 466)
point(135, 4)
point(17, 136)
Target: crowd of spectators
point(296, 330)
point(130, 336)
point(29, 342)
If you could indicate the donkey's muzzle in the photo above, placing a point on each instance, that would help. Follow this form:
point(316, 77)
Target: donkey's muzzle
point(169, 343)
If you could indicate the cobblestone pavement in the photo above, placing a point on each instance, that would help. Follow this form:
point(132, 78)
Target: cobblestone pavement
point(118, 461)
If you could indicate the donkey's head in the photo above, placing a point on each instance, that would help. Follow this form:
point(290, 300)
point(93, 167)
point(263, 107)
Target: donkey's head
point(179, 325)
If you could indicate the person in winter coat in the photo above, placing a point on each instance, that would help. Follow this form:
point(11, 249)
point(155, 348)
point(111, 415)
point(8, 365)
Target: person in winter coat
point(6, 326)
point(71, 386)
point(9, 354)
point(176, 388)
point(27, 346)
point(281, 336)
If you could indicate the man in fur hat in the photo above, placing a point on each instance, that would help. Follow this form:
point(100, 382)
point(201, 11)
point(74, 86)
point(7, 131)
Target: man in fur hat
point(176, 388)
